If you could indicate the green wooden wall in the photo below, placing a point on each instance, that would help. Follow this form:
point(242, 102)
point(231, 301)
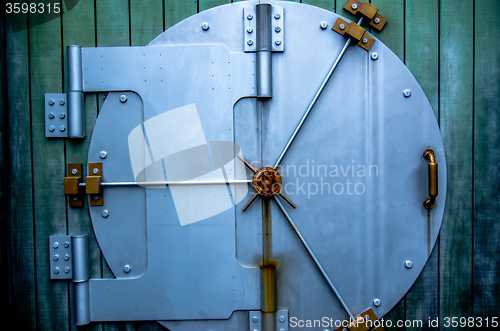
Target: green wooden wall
point(451, 46)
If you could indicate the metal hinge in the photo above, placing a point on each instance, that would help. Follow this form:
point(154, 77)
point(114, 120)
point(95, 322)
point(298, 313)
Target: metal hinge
point(277, 24)
point(281, 320)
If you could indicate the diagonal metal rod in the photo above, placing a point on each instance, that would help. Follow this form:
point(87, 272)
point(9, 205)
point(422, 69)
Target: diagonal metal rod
point(176, 183)
point(297, 232)
point(315, 99)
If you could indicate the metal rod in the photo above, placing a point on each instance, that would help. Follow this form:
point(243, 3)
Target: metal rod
point(297, 232)
point(176, 183)
point(315, 99)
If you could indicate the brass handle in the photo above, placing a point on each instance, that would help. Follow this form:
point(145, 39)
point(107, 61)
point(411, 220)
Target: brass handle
point(433, 179)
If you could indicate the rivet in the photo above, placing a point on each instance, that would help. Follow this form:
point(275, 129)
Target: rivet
point(66, 270)
point(75, 198)
point(354, 6)
point(407, 93)
point(278, 42)
point(323, 25)
point(105, 213)
point(365, 40)
point(66, 244)
point(51, 115)
point(55, 257)
point(96, 197)
point(377, 20)
point(282, 319)
point(127, 268)
point(62, 102)
point(250, 42)
point(55, 244)
point(62, 128)
point(255, 319)
point(277, 16)
point(62, 115)
point(66, 257)
point(95, 171)
point(408, 264)
point(342, 26)
point(374, 56)
point(51, 128)
point(103, 154)
point(249, 16)
point(277, 29)
point(376, 302)
point(51, 102)
point(74, 171)
point(56, 270)
point(123, 98)
point(205, 26)
point(249, 30)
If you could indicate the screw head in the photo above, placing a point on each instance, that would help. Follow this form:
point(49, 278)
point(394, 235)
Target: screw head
point(282, 319)
point(95, 171)
point(66, 244)
point(96, 197)
point(407, 93)
point(62, 102)
point(51, 102)
point(376, 302)
point(123, 98)
point(74, 171)
point(323, 25)
point(408, 264)
point(62, 128)
point(103, 154)
point(377, 20)
point(205, 26)
point(342, 26)
point(277, 29)
point(56, 270)
point(66, 257)
point(51, 128)
point(374, 56)
point(277, 16)
point(55, 244)
point(55, 257)
point(75, 198)
point(354, 6)
point(249, 16)
point(255, 319)
point(127, 268)
point(66, 270)
point(51, 115)
point(105, 213)
point(365, 40)
point(62, 115)
point(250, 42)
point(278, 42)
point(249, 30)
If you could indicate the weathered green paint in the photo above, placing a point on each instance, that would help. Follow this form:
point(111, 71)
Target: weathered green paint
point(146, 21)
point(177, 10)
point(325, 4)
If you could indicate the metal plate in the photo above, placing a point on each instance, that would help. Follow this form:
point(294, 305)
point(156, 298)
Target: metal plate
point(362, 235)
point(56, 115)
point(60, 257)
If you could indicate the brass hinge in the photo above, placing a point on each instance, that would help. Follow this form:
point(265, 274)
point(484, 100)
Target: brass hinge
point(74, 188)
point(355, 31)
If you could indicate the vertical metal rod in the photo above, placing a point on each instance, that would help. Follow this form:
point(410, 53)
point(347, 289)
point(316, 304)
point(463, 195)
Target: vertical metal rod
point(76, 113)
point(315, 99)
point(323, 272)
point(264, 51)
point(80, 266)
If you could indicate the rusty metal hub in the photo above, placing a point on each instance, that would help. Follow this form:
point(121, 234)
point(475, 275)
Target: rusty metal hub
point(267, 182)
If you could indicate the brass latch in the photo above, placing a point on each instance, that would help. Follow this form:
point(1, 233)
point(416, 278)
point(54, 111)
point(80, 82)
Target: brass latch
point(355, 31)
point(365, 321)
point(74, 187)
point(433, 179)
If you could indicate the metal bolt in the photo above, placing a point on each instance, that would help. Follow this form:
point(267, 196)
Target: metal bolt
point(51, 128)
point(282, 319)
point(66, 270)
point(74, 171)
point(408, 264)
point(376, 302)
point(277, 29)
point(62, 115)
point(75, 198)
point(123, 98)
point(365, 40)
point(377, 20)
point(95, 171)
point(105, 213)
point(62, 102)
point(56, 270)
point(66, 244)
point(66, 257)
point(55, 244)
point(51, 115)
point(374, 56)
point(205, 26)
point(277, 16)
point(255, 319)
point(278, 42)
point(62, 128)
point(250, 42)
point(51, 102)
point(342, 26)
point(103, 154)
point(249, 30)
point(407, 93)
point(127, 268)
point(96, 197)
point(323, 25)
point(249, 16)
point(55, 257)
point(354, 6)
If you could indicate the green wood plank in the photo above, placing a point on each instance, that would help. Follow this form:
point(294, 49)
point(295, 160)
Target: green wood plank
point(48, 172)
point(422, 58)
point(112, 21)
point(79, 29)
point(456, 120)
point(486, 159)
point(325, 4)
point(177, 10)
point(20, 212)
point(146, 21)
point(207, 4)
point(393, 33)
point(396, 314)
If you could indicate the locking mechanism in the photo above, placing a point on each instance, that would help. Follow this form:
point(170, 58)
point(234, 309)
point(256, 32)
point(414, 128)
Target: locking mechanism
point(76, 189)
